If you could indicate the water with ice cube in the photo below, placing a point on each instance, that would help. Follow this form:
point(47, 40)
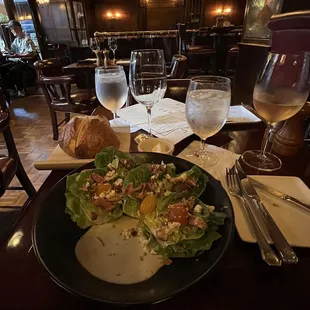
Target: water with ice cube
point(207, 111)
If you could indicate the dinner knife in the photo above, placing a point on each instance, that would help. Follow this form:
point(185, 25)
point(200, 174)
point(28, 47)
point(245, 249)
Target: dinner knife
point(278, 194)
point(286, 253)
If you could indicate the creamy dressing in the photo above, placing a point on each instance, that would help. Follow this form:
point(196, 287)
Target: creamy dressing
point(105, 252)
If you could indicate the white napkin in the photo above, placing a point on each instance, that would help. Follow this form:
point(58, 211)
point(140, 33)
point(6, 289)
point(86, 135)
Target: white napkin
point(226, 159)
point(121, 122)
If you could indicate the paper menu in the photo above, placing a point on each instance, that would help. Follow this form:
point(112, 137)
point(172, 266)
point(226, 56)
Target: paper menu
point(168, 119)
point(239, 114)
point(169, 122)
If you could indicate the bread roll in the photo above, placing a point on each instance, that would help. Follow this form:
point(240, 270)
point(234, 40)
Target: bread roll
point(84, 136)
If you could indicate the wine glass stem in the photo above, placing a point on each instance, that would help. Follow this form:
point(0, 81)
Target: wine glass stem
point(149, 120)
point(114, 115)
point(266, 139)
point(114, 56)
point(202, 146)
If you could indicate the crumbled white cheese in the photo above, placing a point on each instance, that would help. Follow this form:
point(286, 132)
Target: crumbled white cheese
point(126, 234)
point(198, 208)
point(168, 176)
point(87, 185)
point(102, 195)
point(153, 177)
point(110, 194)
point(153, 252)
point(118, 182)
point(173, 225)
point(167, 193)
point(211, 208)
point(110, 166)
point(110, 174)
point(183, 177)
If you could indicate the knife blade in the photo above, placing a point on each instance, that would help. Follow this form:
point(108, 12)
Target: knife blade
point(285, 251)
point(278, 194)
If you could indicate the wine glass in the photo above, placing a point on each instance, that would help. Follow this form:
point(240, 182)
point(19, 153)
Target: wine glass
point(148, 78)
point(206, 110)
point(111, 87)
point(280, 92)
point(112, 42)
point(94, 44)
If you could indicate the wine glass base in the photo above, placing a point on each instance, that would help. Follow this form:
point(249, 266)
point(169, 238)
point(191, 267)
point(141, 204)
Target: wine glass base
point(267, 162)
point(206, 158)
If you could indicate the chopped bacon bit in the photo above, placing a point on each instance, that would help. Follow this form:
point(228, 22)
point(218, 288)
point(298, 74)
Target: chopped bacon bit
point(101, 202)
point(97, 178)
point(134, 233)
point(93, 216)
point(197, 221)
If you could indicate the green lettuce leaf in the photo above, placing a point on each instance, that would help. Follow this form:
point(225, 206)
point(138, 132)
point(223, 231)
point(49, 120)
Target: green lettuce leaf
point(131, 207)
point(137, 177)
point(111, 155)
point(186, 248)
point(164, 201)
point(79, 205)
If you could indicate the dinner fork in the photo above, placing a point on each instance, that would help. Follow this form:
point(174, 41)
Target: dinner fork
point(234, 188)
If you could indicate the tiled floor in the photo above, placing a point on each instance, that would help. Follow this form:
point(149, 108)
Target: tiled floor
point(32, 132)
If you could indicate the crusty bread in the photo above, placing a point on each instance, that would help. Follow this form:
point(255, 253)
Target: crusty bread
point(84, 136)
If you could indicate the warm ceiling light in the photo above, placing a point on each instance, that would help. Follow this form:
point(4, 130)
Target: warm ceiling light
point(219, 11)
point(109, 14)
point(117, 15)
point(227, 10)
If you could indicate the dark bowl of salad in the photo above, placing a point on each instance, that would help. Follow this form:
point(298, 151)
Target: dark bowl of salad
point(183, 214)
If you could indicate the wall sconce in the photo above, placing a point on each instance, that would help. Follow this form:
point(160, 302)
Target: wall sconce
point(114, 15)
point(223, 11)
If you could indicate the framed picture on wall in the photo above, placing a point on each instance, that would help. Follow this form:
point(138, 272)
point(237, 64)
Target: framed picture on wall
point(256, 18)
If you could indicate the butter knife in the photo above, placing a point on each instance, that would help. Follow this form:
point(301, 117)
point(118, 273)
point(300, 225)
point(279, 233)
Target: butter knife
point(286, 253)
point(278, 194)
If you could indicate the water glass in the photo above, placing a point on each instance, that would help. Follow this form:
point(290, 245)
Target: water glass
point(111, 87)
point(207, 108)
point(148, 78)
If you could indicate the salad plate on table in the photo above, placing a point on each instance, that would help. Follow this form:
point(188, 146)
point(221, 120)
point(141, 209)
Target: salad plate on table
point(132, 228)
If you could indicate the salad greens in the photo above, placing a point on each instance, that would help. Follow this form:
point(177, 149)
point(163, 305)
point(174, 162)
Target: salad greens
point(171, 216)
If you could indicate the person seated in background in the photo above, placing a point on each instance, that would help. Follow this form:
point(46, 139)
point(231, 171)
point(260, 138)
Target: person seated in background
point(22, 51)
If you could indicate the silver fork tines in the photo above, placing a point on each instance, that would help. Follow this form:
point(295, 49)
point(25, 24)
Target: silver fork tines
point(234, 188)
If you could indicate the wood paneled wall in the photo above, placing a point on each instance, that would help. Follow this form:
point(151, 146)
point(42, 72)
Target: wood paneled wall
point(236, 16)
point(128, 10)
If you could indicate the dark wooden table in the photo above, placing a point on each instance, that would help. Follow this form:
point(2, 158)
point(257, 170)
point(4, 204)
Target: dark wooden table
point(240, 281)
point(85, 72)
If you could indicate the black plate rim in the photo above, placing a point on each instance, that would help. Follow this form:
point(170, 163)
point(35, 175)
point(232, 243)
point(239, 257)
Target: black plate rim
point(131, 303)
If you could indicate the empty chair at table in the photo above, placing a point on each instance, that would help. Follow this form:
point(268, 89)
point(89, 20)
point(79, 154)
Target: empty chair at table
point(57, 90)
point(178, 67)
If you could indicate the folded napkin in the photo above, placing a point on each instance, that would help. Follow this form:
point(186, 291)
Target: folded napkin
point(226, 159)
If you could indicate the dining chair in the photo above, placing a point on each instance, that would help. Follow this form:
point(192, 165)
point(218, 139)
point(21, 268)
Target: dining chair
point(178, 67)
point(231, 62)
point(177, 89)
point(57, 90)
point(11, 165)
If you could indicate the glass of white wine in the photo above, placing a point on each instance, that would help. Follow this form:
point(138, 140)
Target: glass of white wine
point(281, 90)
